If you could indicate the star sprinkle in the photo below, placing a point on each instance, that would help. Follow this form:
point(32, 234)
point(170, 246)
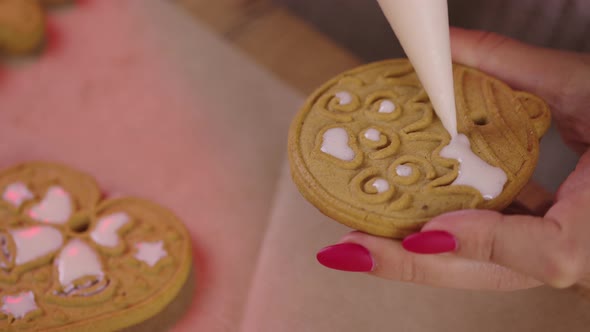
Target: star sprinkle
point(17, 193)
point(150, 252)
point(19, 305)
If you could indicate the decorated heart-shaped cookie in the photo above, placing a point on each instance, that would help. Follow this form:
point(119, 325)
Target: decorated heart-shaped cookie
point(72, 260)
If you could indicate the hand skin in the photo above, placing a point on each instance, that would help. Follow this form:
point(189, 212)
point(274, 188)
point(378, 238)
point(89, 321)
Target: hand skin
point(501, 252)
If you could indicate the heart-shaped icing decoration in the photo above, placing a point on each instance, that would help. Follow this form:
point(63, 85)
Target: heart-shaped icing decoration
point(338, 145)
point(72, 260)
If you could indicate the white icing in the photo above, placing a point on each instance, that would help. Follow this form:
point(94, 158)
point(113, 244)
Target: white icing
point(150, 252)
point(56, 207)
point(17, 193)
point(76, 260)
point(422, 27)
point(386, 106)
point(19, 305)
point(344, 98)
point(35, 242)
point(335, 143)
point(403, 170)
point(372, 134)
point(473, 171)
point(105, 232)
point(381, 185)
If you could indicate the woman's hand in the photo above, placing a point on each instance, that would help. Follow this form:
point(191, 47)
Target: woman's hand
point(486, 249)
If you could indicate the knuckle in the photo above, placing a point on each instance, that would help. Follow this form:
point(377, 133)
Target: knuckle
point(565, 266)
point(506, 280)
point(409, 271)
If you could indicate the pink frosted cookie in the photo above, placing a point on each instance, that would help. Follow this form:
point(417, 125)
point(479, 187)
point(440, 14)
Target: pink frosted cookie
point(72, 260)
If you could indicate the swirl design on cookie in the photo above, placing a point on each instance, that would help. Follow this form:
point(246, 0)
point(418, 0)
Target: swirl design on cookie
point(379, 142)
point(398, 179)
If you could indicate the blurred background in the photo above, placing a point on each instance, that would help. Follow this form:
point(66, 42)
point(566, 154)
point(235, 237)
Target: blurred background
point(305, 42)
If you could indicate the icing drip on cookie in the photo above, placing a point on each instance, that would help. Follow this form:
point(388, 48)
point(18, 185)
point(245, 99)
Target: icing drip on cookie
point(403, 170)
point(373, 134)
point(35, 242)
point(150, 252)
point(17, 193)
point(19, 305)
point(55, 208)
point(107, 227)
point(335, 143)
point(381, 185)
point(473, 171)
point(344, 98)
point(77, 260)
point(386, 106)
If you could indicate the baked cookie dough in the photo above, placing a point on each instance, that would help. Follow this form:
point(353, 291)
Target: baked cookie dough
point(73, 260)
point(368, 150)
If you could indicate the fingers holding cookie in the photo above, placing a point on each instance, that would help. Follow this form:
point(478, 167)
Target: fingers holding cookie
point(389, 260)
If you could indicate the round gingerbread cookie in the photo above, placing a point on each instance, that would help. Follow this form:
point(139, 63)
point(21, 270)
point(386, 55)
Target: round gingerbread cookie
point(73, 260)
point(368, 150)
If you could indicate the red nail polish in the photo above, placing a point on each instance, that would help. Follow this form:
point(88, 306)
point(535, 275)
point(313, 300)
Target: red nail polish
point(346, 257)
point(430, 242)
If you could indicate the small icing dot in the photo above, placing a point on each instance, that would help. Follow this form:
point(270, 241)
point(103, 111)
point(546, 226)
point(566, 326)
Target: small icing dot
point(381, 185)
point(386, 106)
point(344, 98)
point(372, 134)
point(403, 170)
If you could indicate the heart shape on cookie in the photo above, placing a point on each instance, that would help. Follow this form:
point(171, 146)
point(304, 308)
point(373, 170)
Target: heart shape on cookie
point(73, 260)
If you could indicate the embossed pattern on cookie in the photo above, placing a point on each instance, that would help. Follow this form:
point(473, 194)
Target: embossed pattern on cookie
point(73, 260)
point(366, 147)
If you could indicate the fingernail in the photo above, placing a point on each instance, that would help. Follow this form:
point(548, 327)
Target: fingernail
point(430, 242)
point(350, 257)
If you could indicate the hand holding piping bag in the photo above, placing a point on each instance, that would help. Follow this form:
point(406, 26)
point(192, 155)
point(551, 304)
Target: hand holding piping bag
point(485, 249)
